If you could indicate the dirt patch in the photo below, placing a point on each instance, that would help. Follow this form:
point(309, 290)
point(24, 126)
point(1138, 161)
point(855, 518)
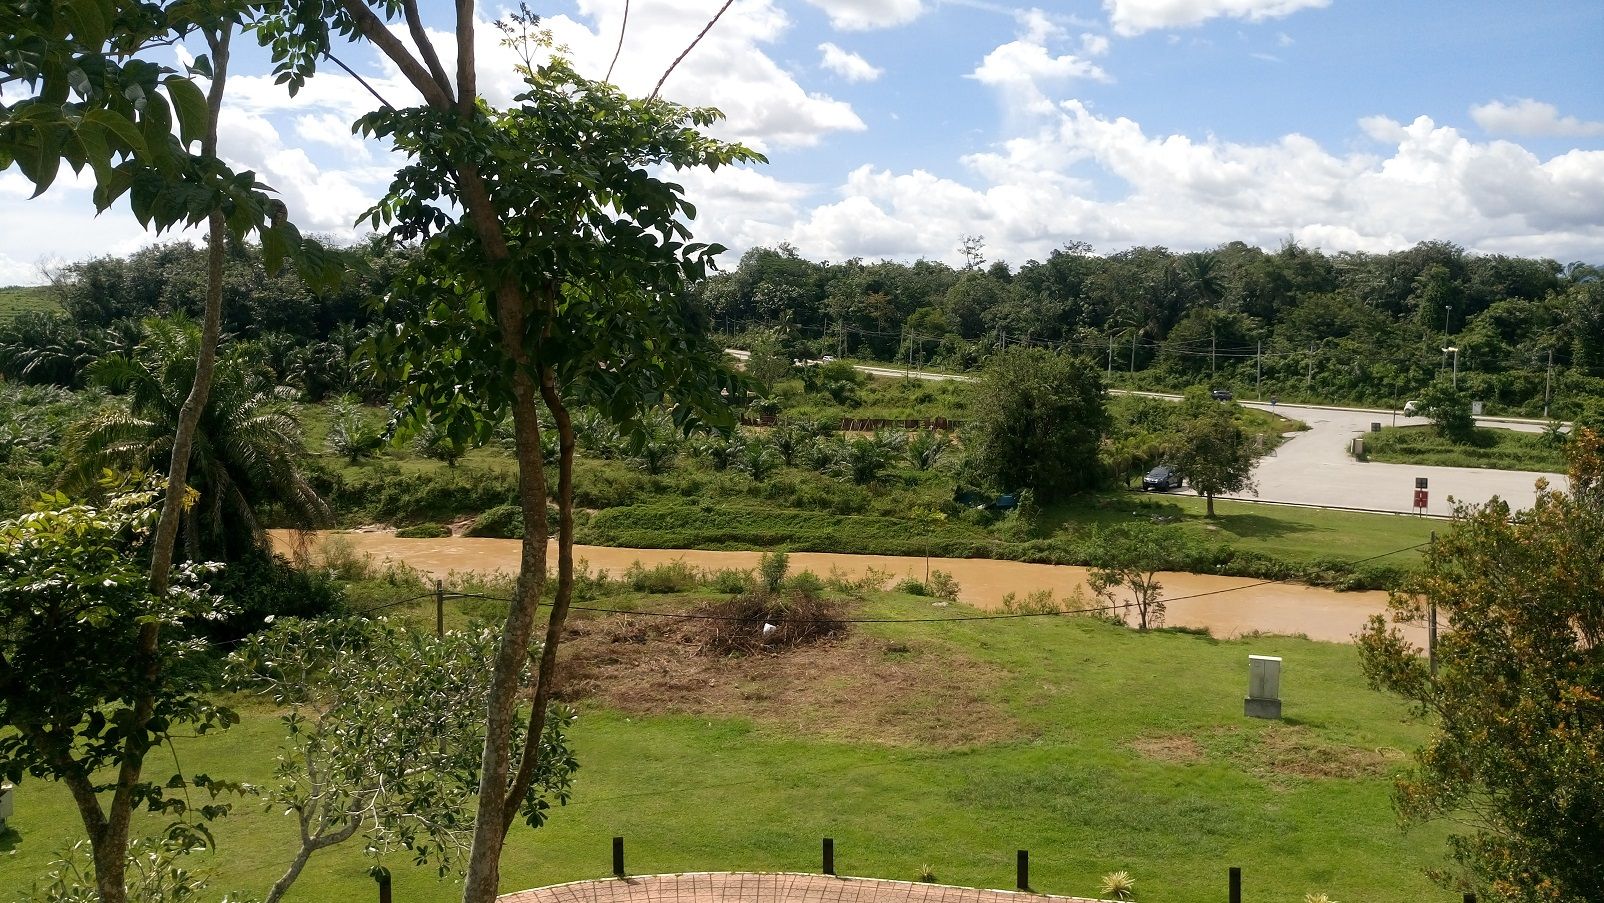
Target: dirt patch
point(1178, 749)
point(1275, 754)
point(844, 687)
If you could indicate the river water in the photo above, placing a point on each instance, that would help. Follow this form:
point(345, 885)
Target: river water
point(1235, 605)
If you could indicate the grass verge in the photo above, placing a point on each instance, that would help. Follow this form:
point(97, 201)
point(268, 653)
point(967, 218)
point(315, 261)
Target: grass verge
point(1106, 749)
point(1490, 448)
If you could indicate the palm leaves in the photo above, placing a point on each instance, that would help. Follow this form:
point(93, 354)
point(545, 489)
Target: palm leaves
point(247, 451)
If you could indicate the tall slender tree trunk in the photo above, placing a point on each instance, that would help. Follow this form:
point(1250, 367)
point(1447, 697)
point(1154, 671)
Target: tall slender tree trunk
point(110, 843)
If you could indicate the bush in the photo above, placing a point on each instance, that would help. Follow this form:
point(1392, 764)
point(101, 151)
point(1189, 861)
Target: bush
point(501, 522)
point(806, 583)
point(771, 569)
point(263, 586)
point(729, 580)
point(675, 576)
point(423, 531)
point(760, 621)
point(943, 586)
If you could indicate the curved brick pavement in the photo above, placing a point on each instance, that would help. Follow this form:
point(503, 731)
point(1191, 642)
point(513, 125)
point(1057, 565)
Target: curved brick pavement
point(767, 887)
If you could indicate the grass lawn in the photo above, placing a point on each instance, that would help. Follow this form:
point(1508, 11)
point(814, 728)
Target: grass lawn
point(1494, 448)
point(1295, 534)
point(952, 745)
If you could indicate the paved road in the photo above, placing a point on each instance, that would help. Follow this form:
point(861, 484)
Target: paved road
point(1314, 468)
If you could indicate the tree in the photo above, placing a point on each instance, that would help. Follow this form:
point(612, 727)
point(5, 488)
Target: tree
point(551, 271)
point(247, 450)
point(1449, 411)
point(95, 99)
point(1516, 755)
point(77, 697)
point(1039, 417)
point(1214, 454)
point(383, 736)
point(1131, 558)
point(768, 362)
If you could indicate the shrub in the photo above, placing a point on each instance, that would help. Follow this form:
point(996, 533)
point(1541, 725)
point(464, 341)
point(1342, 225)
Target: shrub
point(501, 522)
point(677, 576)
point(1119, 886)
point(942, 586)
point(758, 621)
point(262, 586)
point(729, 580)
point(771, 569)
point(911, 586)
point(806, 583)
point(423, 531)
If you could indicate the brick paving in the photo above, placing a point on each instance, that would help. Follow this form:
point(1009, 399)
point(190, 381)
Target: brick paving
point(767, 887)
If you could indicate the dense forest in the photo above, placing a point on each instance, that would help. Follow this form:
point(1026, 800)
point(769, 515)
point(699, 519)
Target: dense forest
point(1294, 322)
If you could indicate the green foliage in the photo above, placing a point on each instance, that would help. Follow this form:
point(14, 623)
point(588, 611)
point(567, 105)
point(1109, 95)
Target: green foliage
point(502, 521)
point(1516, 756)
point(1038, 419)
point(1449, 411)
point(668, 577)
point(389, 494)
point(768, 361)
point(424, 531)
point(74, 598)
point(155, 873)
point(1213, 453)
point(771, 569)
point(384, 730)
point(350, 435)
point(1496, 448)
point(1130, 559)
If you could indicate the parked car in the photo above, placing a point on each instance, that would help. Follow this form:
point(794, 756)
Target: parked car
point(1220, 394)
point(1410, 408)
point(1162, 478)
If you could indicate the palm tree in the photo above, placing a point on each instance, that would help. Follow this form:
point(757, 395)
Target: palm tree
point(247, 451)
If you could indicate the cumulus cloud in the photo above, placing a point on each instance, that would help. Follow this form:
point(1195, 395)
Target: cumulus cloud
point(863, 15)
point(847, 64)
point(1023, 70)
point(1531, 117)
point(1035, 193)
point(1132, 17)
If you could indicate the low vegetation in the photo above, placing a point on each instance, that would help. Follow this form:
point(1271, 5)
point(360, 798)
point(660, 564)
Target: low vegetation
point(1495, 448)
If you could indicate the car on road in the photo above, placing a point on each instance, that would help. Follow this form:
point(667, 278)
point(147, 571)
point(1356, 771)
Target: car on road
point(1410, 408)
point(1162, 478)
point(1220, 394)
point(827, 359)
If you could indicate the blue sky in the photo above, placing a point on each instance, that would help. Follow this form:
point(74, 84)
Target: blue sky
point(895, 127)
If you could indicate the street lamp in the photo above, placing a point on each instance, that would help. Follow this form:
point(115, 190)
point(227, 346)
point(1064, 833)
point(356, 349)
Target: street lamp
point(1446, 310)
point(1455, 350)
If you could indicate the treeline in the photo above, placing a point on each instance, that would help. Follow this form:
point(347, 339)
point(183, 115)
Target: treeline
point(297, 337)
point(1295, 322)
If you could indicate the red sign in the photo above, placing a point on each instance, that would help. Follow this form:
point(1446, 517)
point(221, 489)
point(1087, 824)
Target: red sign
point(1420, 498)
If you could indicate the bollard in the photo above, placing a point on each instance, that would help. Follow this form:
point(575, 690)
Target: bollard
point(439, 609)
point(1022, 869)
point(829, 855)
point(1470, 898)
point(382, 876)
point(618, 857)
point(1235, 885)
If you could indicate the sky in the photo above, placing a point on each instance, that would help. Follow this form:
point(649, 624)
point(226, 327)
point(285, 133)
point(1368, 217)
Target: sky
point(895, 128)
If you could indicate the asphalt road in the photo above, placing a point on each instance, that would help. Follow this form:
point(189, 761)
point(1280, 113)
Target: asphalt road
point(1314, 468)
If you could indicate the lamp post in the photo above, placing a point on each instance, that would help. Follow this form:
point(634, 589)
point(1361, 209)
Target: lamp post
point(1446, 309)
point(1455, 350)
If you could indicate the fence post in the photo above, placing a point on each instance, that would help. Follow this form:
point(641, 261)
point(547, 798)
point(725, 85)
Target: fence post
point(618, 857)
point(1470, 898)
point(1022, 870)
point(439, 609)
point(1236, 885)
point(382, 876)
point(829, 855)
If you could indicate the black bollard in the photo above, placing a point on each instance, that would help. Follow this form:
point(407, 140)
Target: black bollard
point(829, 855)
point(1022, 869)
point(618, 857)
point(1236, 884)
point(382, 876)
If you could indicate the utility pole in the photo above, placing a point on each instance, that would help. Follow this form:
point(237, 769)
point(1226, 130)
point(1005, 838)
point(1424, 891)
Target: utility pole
point(1258, 370)
point(1211, 353)
point(1134, 334)
point(1308, 381)
point(1431, 627)
point(1446, 309)
point(1548, 382)
point(1111, 367)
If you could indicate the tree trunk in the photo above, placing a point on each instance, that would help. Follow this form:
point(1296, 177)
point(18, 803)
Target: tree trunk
point(1210, 497)
point(483, 877)
point(110, 843)
point(559, 609)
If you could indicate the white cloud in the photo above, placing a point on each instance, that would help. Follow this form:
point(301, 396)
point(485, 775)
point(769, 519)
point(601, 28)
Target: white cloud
point(863, 15)
point(1024, 69)
point(847, 64)
point(1031, 195)
point(1094, 44)
point(1531, 117)
point(1132, 17)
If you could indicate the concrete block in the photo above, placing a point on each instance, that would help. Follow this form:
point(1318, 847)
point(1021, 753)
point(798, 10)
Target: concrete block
point(1261, 708)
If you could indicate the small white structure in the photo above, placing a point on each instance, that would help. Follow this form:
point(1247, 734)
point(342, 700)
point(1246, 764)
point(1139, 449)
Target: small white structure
point(8, 795)
point(1264, 687)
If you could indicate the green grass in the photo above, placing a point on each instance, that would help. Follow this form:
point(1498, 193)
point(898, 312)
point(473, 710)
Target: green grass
point(16, 299)
point(1287, 532)
point(1493, 448)
point(693, 792)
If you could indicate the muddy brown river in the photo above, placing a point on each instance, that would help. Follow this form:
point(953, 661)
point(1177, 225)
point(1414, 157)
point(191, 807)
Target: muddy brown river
point(1244, 606)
